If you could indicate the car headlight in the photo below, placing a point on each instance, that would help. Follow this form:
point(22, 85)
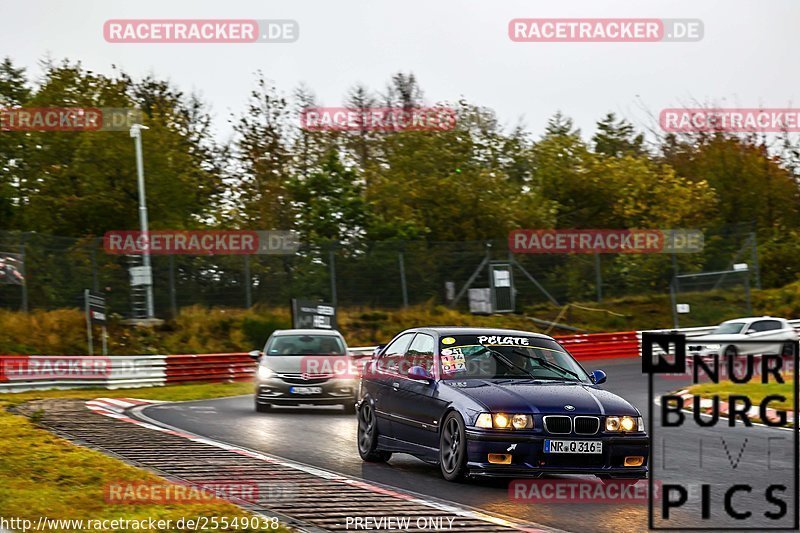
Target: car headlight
point(712, 346)
point(264, 372)
point(522, 421)
point(504, 421)
point(624, 423)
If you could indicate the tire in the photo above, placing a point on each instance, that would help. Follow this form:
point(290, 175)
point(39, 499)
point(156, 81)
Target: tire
point(263, 407)
point(731, 351)
point(368, 435)
point(787, 350)
point(349, 407)
point(453, 448)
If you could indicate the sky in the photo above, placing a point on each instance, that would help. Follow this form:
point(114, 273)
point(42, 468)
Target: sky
point(456, 48)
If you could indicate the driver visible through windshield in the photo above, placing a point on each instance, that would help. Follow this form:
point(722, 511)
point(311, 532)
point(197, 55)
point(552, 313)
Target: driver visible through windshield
point(499, 357)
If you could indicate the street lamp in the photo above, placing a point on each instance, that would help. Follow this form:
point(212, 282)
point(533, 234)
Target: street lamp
point(136, 133)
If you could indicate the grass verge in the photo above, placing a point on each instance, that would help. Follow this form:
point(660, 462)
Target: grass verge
point(755, 391)
point(44, 475)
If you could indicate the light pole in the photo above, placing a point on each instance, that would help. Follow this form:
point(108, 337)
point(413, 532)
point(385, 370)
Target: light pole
point(136, 133)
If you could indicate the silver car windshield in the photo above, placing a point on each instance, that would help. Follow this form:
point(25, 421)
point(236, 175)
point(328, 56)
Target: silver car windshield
point(729, 328)
point(305, 345)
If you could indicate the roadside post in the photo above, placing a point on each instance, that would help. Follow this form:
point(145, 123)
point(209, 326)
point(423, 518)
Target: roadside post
point(95, 312)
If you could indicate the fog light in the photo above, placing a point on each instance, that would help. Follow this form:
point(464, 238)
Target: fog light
point(634, 460)
point(503, 458)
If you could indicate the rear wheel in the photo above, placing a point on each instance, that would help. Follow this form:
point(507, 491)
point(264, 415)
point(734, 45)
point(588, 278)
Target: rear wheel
point(368, 435)
point(788, 349)
point(453, 448)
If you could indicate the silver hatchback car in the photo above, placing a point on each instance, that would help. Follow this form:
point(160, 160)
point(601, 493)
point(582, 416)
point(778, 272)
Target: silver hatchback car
point(306, 367)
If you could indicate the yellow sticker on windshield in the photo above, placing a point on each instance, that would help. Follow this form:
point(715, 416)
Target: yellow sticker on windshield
point(448, 340)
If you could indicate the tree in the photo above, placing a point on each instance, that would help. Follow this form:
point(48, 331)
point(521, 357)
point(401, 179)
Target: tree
point(264, 152)
point(561, 163)
point(403, 91)
point(329, 203)
point(85, 182)
point(617, 138)
point(14, 91)
point(750, 184)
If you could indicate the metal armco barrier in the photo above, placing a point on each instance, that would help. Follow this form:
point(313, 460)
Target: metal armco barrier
point(20, 373)
point(129, 371)
point(601, 345)
point(210, 367)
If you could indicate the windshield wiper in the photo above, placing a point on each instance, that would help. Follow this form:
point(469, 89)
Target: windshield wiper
point(506, 360)
point(547, 364)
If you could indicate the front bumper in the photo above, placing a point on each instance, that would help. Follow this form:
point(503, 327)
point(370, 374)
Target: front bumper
point(529, 460)
point(280, 392)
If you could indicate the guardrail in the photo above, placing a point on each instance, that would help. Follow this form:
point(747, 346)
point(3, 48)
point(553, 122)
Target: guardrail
point(43, 372)
point(601, 345)
point(129, 371)
point(209, 367)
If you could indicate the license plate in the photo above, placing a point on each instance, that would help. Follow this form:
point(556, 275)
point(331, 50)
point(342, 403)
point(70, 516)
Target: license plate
point(573, 446)
point(306, 390)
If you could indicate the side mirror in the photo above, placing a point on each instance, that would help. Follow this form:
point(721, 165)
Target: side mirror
point(378, 349)
point(255, 354)
point(598, 377)
point(418, 372)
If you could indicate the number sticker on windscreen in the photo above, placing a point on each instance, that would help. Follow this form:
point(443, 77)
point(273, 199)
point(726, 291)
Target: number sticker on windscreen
point(453, 360)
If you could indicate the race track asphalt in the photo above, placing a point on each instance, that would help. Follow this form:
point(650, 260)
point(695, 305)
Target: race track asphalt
point(690, 455)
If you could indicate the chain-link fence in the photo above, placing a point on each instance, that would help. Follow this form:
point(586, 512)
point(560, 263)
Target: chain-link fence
point(56, 271)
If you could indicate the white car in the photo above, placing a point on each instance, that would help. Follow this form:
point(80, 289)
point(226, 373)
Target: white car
point(777, 334)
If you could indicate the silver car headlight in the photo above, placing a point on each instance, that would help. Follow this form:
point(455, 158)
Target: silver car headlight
point(264, 373)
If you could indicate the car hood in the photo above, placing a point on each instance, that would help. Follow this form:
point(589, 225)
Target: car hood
point(291, 364)
point(544, 398)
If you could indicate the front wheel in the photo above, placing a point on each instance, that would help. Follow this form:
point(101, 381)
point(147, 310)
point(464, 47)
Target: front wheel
point(731, 351)
point(453, 448)
point(368, 436)
point(263, 407)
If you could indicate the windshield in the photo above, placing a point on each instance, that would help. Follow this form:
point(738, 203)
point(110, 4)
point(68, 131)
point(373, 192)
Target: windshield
point(495, 357)
point(728, 328)
point(305, 345)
